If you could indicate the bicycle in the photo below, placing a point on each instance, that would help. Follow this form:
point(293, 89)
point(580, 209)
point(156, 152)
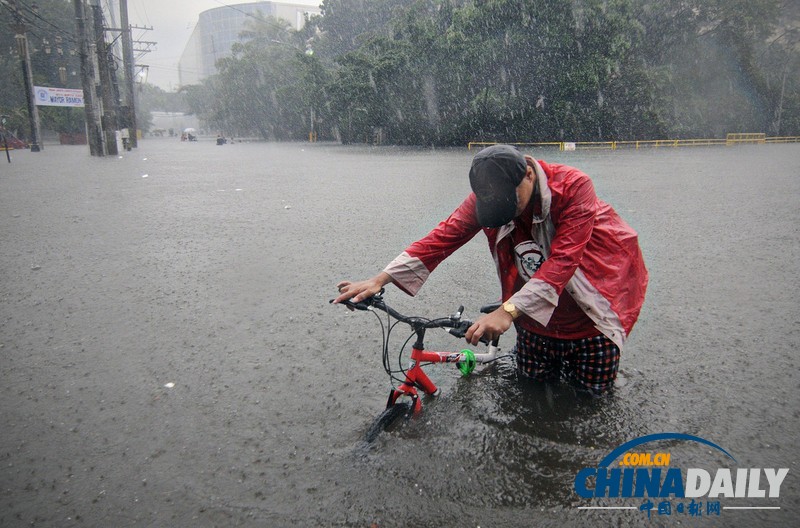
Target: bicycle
point(404, 397)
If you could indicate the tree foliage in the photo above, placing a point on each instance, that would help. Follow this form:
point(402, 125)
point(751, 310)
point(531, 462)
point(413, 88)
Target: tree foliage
point(449, 71)
point(269, 85)
point(54, 62)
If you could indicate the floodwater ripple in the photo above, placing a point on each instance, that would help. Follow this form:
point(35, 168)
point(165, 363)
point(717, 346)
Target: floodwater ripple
point(169, 356)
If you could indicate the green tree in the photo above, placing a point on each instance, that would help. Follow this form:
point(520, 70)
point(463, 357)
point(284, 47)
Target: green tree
point(271, 85)
point(346, 24)
point(54, 62)
point(451, 71)
point(703, 59)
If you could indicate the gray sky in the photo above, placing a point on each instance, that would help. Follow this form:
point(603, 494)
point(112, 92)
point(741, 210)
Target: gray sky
point(172, 22)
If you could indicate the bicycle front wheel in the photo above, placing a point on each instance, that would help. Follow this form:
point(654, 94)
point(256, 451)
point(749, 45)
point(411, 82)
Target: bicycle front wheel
point(387, 419)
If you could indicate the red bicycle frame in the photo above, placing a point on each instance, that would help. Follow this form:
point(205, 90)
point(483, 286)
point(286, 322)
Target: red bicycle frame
point(416, 377)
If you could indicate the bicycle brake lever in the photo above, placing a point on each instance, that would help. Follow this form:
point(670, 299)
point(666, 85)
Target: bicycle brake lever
point(456, 332)
point(457, 316)
point(361, 305)
point(461, 331)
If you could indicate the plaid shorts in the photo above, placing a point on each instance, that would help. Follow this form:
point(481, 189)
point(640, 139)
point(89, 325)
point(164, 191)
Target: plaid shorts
point(592, 362)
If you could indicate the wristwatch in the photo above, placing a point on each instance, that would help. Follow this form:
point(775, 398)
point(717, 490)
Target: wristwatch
point(510, 309)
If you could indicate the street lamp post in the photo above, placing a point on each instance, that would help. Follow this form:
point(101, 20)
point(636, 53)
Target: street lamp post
point(27, 76)
point(312, 136)
point(309, 52)
point(129, 119)
point(94, 129)
point(3, 133)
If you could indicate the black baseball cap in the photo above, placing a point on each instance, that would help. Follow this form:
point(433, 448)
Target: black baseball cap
point(494, 176)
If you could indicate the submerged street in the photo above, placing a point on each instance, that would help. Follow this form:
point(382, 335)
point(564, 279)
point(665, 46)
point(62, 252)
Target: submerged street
point(168, 355)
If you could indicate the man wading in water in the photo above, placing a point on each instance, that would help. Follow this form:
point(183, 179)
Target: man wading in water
point(571, 271)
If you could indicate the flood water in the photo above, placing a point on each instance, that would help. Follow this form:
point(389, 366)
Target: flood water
point(168, 356)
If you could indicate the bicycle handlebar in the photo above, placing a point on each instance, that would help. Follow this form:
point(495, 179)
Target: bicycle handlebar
point(377, 302)
point(455, 325)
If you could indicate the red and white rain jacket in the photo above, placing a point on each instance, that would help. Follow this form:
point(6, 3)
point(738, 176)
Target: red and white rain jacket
point(585, 248)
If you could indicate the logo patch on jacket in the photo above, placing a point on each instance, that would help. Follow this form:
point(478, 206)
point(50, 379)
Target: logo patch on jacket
point(528, 256)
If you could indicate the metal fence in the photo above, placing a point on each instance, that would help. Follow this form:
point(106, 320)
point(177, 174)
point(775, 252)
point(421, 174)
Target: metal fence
point(729, 140)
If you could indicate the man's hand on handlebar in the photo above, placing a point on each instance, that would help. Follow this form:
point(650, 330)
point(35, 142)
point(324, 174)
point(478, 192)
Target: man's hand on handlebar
point(358, 291)
point(491, 326)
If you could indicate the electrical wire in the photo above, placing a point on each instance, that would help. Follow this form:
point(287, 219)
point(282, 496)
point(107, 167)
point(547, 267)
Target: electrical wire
point(32, 19)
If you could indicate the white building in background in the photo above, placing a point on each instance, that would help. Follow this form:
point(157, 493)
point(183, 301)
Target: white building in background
point(172, 123)
point(219, 28)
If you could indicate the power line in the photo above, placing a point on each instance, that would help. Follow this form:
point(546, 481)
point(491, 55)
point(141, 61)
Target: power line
point(33, 19)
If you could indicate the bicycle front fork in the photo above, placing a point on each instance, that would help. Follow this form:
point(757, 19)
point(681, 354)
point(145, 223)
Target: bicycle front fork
point(415, 377)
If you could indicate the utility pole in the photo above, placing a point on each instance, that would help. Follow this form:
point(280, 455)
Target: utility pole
point(94, 130)
point(27, 76)
point(109, 118)
point(129, 117)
